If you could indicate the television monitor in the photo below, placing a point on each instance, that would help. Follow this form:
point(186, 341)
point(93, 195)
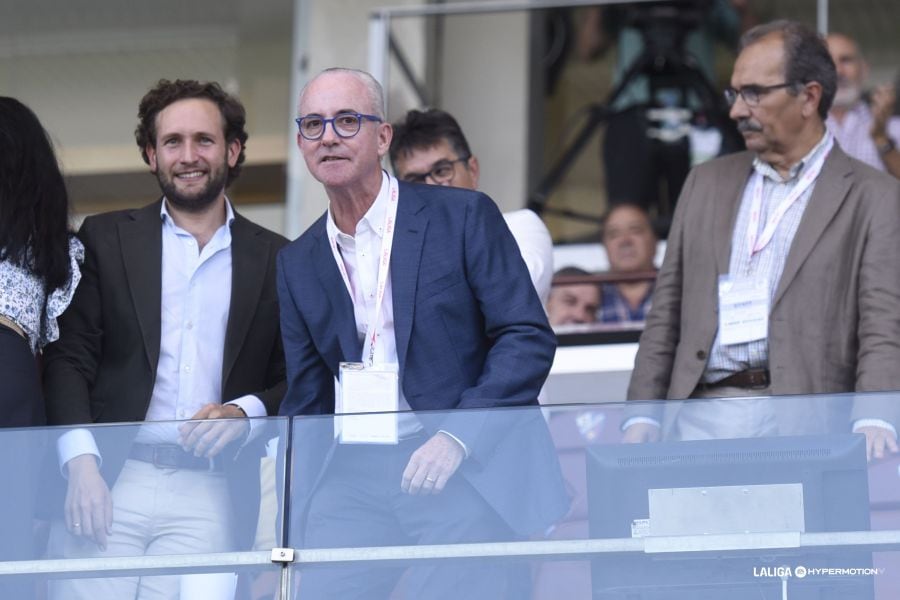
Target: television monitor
point(824, 476)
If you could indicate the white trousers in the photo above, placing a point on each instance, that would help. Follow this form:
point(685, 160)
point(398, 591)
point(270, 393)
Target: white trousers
point(155, 512)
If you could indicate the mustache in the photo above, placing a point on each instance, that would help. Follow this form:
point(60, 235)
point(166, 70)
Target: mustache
point(746, 124)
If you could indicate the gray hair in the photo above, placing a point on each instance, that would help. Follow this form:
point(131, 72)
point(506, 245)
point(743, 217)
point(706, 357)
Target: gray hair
point(373, 89)
point(806, 57)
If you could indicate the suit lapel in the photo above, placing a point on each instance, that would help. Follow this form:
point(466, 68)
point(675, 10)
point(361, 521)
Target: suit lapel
point(141, 243)
point(728, 194)
point(249, 259)
point(343, 317)
point(409, 234)
point(828, 194)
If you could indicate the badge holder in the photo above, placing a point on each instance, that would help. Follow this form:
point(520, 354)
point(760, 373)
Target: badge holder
point(743, 310)
point(373, 391)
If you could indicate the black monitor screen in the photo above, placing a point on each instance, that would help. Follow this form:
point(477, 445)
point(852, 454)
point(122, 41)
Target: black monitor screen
point(829, 472)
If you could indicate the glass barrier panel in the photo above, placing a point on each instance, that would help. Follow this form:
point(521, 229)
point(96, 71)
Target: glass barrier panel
point(738, 498)
point(85, 498)
point(355, 502)
point(259, 582)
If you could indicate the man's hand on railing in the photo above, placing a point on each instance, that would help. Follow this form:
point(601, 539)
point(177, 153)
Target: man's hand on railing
point(879, 442)
point(207, 438)
point(88, 507)
point(638, 433)
point(432, 465)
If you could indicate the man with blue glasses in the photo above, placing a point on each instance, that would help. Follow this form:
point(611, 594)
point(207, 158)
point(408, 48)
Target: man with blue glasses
point(408, 297)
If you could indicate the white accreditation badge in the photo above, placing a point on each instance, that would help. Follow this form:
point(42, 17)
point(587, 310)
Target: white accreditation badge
point(743, 309)
point(371, 390)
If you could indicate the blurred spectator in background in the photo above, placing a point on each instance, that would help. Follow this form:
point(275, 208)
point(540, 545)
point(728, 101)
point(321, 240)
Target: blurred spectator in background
point(664, 60)
point(38, 275)
point(429, 147)
point(573, 304)
point(864, 127)
point(630, 246)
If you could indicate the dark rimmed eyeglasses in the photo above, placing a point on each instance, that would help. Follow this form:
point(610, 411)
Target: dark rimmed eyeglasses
point(345, 125)
point(752, 94)
point(442, 171)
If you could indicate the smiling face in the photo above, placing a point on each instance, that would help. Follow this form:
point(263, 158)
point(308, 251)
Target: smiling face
point(190, 156)
point(343, 164)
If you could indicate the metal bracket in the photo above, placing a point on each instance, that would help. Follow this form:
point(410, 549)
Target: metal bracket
point(282, 555)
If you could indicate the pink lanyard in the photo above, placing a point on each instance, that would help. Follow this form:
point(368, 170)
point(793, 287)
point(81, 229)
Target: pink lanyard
point(756, 244)
point(384, 265)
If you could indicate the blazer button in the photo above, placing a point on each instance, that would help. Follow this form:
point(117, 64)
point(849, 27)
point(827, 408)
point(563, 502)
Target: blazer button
point(701, 354)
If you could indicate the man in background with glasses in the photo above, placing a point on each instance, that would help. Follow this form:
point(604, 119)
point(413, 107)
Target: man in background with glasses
point(419, 297)
point(780, 275)
point(430, 147)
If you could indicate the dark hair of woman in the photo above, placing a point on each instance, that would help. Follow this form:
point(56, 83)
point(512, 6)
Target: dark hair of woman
point(34, 205)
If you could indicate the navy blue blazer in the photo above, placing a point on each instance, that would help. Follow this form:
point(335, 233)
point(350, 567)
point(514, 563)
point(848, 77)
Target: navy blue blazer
point(471, 334)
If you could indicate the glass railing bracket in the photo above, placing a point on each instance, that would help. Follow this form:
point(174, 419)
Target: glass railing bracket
point(282, 555)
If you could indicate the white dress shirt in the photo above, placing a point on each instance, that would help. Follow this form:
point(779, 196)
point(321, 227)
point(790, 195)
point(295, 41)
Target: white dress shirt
point(360, 253)
point(195, 301)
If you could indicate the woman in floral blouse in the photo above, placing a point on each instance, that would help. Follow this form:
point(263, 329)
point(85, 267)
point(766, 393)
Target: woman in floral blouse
point(38, 259)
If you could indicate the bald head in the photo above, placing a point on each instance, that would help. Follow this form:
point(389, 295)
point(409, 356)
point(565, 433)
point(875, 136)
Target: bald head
point(374, 91)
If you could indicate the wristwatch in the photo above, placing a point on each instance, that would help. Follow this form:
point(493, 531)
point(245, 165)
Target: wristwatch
point(885, 147)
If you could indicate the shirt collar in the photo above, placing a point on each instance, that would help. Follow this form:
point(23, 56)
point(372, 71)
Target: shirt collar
point(769, 172)
point(374, 217)
point(167, 218)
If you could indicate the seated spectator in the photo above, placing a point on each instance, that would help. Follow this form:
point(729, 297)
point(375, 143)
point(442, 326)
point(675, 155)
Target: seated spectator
point(630, 245)
point(573, 304)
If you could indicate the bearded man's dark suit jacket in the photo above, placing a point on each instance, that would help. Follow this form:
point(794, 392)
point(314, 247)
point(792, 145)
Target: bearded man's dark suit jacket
point(470, 332)
point(103, 367)
point(834, 324)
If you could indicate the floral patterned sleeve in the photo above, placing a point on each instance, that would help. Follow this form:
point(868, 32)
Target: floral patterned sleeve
point(61, 297)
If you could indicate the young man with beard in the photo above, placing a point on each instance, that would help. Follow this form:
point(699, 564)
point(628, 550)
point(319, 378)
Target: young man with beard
point(153, 334)
point(867, 131)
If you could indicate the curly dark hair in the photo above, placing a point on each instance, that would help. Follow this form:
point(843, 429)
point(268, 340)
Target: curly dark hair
point(167, 92)
point(34, 205)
